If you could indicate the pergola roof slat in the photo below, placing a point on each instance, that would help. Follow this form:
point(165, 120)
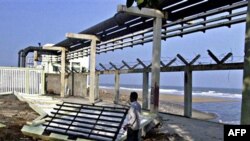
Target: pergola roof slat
point(122, 24)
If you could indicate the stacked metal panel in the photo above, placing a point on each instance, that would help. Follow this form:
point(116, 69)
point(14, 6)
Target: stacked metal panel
point(85, 121)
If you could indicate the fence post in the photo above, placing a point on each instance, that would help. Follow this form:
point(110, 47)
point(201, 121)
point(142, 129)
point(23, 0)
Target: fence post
point(27, 79)
point(43, 82)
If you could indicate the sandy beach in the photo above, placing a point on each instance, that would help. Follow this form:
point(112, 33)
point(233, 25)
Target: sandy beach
point(13, 115)
point(169, 103)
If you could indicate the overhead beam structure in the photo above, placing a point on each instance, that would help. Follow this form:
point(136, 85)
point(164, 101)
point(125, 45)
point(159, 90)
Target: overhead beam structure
point(144, 12)
point(131, 27)
point(157, 16)
point(93, 39)
point(208, 67)
point(138, 33)
point(124, 30)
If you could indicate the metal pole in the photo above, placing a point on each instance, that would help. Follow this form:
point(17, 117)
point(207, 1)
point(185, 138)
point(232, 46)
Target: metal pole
point(245, 106)
point(155, 83)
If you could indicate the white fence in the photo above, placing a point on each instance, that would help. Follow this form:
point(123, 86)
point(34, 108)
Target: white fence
point(23, 80)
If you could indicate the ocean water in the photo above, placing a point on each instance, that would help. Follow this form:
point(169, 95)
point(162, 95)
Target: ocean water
point(227, 112)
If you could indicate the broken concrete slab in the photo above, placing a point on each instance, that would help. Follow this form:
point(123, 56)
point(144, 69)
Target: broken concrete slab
point(58, 136)
point(37, 132)
point(32, 130)
point(39, 103)
point(7, 93)
point(2, 125)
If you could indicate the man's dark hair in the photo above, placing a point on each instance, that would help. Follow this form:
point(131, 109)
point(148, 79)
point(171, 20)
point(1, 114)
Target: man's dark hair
point(133, 96)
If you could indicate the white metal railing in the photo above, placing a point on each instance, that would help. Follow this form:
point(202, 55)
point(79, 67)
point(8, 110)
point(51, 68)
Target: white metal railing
point(23, 80)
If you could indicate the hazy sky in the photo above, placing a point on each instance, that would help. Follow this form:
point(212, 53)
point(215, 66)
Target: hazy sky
point(27, 22)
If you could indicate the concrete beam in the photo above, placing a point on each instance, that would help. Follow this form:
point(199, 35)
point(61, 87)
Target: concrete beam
point(144, 12)
point(210, 67)
point(82, 36)
point(54, 48)
point(245, 106)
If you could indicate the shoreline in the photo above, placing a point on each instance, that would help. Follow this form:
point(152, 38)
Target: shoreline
point(176, 98)
point(169, 103)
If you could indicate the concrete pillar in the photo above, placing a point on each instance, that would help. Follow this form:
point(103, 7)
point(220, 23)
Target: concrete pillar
point(117, 87)
point(245, 106)
point(72, 82)
point(188, 93)
point(156, 56)
point(35, 58)
point(145, 93)
point(84, 86)
point(97, 87)
point(63, 72)
point(92, 72)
